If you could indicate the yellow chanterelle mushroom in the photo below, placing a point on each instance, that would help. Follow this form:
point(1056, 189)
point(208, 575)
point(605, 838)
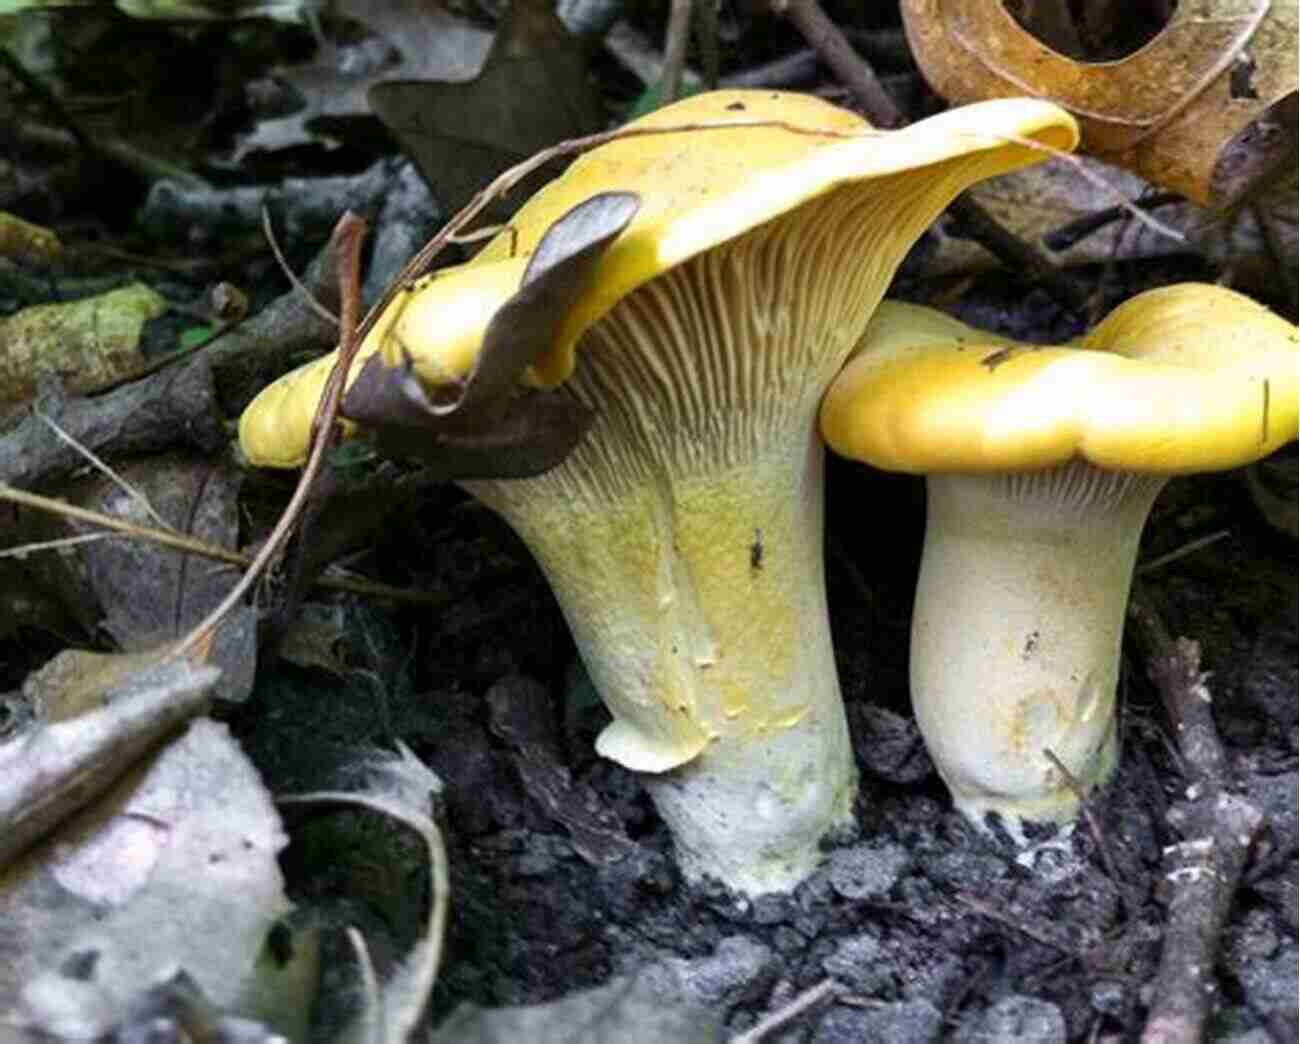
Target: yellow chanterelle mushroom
point(1042, 464)
point(683, 536)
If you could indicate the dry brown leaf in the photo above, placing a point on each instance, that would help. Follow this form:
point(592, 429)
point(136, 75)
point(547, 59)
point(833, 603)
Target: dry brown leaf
point(1072, 210)
point(1167, 111)
point(532, 92)
point(412, 39)
point(173, 868)
point(139, 594)
point(484, 428)
point(58, 765)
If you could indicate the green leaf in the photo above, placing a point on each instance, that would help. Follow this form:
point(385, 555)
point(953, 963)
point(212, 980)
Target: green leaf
point(194, 335)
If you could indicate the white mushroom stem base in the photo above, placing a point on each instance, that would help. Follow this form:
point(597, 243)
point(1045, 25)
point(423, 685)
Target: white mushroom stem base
point(699, 608)
point(1016, 634)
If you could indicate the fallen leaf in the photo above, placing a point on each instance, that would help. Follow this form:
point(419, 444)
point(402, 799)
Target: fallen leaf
point(532, 92)
point(410, 39)
point(83, 343)
point(26, 243)
point(109, 710)
point(489, 430)
point(143, 595)
point(624, 1011)
point(1167, 111)
point(521, 714)
point(314, 637)
point(176, 867)
point(1077, 219)
point(402, 788)
point(182, 10)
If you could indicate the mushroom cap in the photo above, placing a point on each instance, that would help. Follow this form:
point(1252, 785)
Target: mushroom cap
point(447, 307)
point(1187, 378)
point(767, 153)
point(761, 155)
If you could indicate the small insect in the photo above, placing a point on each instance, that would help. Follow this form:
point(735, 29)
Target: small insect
point(995, 359)
point(756, 552)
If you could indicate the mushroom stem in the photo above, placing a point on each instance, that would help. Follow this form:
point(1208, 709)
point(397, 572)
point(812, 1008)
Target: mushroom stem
point(1016, 633)
point(699, 607)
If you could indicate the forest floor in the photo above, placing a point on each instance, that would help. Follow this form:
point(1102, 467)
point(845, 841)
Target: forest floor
point(924, 928)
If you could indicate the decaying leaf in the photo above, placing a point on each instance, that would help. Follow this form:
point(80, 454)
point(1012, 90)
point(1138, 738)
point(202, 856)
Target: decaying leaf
point(140, 594)
point(84, 343)
point(26, 243)
point(1079, 220)
point(625, 1011)
point(1272, 486)
point(94, 716)
point(1167, 111)
point(174, 869)
point(412, 39)
point(313, 639)
point(183, 10)
point(532, 92)
point(401, 788)
point(520, 715)
point(489, 429)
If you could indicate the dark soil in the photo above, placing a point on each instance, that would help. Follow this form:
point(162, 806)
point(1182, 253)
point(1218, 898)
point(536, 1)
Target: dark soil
point(926, 925)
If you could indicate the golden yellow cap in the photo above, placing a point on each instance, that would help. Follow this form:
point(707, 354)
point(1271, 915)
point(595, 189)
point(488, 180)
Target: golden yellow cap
point(1187, 378)
point(715, 166)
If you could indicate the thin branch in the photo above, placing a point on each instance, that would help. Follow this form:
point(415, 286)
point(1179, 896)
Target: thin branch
point(1189, 548)
point(854, 72)
point(163, 537)
point(786, 1014)
point(1217, 829)
point(348, 236)
point(1067, 235)
point(103, 468)
point(1031, 931)
point(49, 101)
point(974, 222)
point(180, 542)
point(679, 27)
point(1094, 827)
point(309, 299)
point(23, 550)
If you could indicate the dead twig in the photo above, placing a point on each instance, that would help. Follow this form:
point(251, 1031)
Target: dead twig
point(679, 28)
point(1203, 870)
point(48, 101)
point(1189, 548)
point(1094, 828)
point(787, 1013)
point(372, 1007)
point(176, 406)
point(99, 465)
point(180, 542)
point(1073, 232)
point(855, 73)
point(348, 236)
point(308, 298)
point(974, 221)
point(1039, 933)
